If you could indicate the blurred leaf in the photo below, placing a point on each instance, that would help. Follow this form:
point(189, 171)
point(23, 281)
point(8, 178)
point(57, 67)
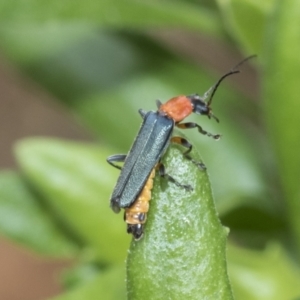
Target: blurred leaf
point(20, 44)
point(100, 62)
point(77, 181)
point(96, 62)
point(81, 273)
point(281, 102)
point(24, 219)
point(246, 21)
point(108, 285)
point(255, 232)
point(115, 14)
point(267, 275)
point(182, 253)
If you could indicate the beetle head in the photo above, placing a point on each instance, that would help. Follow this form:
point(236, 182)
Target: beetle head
point(201, 107)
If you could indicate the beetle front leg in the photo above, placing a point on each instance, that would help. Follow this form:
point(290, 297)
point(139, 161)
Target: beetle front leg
point(162, 172)
point(116, 158)
point(185, 143)
point(189, 125)
point(142, 113)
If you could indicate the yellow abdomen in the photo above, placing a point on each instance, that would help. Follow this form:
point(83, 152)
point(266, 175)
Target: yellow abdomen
point(136, 215)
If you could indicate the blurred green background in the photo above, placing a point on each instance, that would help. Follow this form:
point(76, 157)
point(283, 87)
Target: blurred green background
point(97, 63)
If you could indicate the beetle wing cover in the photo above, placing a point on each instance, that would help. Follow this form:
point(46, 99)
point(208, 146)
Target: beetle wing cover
point(150, 144)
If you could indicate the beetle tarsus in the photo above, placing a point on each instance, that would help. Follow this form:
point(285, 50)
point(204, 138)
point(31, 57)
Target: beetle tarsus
point(162, 173)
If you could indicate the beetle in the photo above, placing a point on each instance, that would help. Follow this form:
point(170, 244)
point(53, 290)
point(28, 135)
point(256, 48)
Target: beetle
point(133, 188)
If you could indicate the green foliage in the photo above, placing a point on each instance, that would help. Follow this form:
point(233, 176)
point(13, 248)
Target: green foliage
point(99, 60)
point(108, 284)
point(282, 69)
point(263, 275)
point(74, 180)
point(26, 221)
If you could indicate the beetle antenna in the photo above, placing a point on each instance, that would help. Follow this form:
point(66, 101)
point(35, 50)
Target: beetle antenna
point(214, 88)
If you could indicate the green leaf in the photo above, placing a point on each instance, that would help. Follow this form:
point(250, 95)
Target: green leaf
point(282, 105)
point(118, 14)
point(24, 220)
point(246, 21)
point(108, 285)
point(77, 181)
point(19, 42)
point(182, 253)
point(255, 231)
point(81, 273)
point(263, 275)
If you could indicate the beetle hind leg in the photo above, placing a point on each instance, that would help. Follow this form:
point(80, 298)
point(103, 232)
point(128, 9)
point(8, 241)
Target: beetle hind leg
point(185, 143)
point(162, 173)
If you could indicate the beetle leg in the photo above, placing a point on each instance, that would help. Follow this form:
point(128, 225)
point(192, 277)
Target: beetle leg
point(189, 125)
point(158, 103)
point(162, 173)
point(185, 143)
point(142, 113)
point(116, 158)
